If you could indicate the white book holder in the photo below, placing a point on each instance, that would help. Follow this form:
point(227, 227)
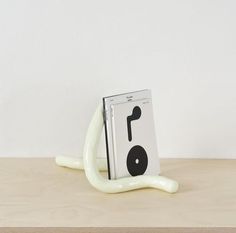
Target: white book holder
point(92, 165)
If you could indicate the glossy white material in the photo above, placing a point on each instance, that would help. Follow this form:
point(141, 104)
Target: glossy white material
point(92, 170)
point(77, 163)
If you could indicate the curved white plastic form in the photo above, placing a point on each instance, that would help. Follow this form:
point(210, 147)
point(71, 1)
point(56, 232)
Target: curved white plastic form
point(78, 163)
point(91, 165)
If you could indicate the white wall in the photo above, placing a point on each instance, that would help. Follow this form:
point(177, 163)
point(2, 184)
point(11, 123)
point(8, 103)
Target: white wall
point(58, 58)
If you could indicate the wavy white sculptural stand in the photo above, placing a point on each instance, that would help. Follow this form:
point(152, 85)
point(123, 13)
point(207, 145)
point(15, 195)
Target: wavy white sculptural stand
point(92, 165)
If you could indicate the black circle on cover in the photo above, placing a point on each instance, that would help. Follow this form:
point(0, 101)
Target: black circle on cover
point(137, 153)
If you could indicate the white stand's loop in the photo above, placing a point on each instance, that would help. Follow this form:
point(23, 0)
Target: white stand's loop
point(91, 166)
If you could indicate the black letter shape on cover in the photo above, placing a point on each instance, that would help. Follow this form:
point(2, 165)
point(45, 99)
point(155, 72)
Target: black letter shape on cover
point(136, 114)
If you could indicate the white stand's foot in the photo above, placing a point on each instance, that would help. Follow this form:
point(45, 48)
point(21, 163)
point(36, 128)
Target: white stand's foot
point(91, 167)
point(78, 163)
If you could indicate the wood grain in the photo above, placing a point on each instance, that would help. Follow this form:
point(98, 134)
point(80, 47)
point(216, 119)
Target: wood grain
point(37, 193)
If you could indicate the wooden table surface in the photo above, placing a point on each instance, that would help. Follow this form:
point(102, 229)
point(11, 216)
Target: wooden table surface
point(37, 193)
